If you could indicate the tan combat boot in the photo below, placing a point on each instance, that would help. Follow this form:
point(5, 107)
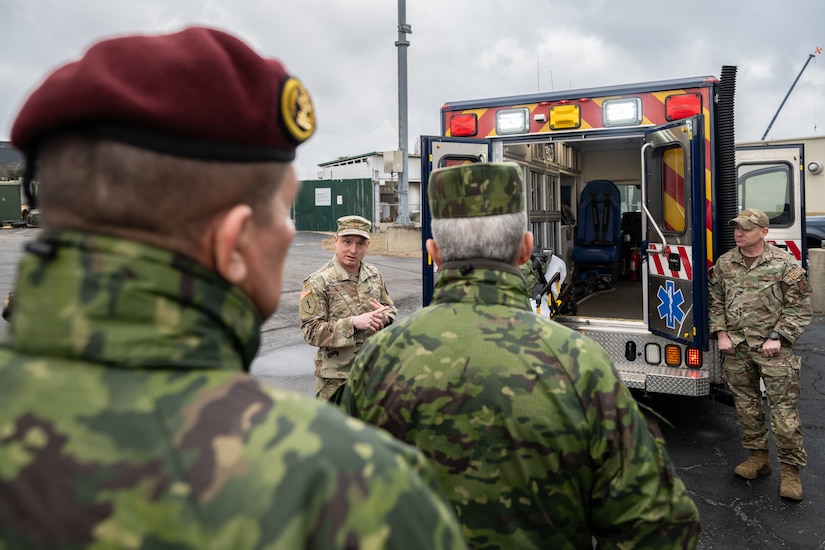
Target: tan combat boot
point(757, 464)
point(791, 486)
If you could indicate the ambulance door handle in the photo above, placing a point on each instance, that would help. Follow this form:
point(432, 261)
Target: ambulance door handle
point(644, 206)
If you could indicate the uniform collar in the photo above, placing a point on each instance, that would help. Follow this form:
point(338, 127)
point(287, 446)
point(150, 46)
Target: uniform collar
point(131, 305)
point(481, 281)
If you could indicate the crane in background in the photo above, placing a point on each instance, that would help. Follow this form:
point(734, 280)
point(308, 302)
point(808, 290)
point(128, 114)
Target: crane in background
point(817, 51)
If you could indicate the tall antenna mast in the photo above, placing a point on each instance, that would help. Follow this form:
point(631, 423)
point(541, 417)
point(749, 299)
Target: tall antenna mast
point(817, 51)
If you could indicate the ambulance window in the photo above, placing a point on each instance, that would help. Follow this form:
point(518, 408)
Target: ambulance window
point(456, 160)
point(631, 198)
point(768, 188)
point(667, 188)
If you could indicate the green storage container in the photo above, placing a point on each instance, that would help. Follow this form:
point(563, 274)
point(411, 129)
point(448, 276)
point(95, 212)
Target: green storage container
point(10, 202)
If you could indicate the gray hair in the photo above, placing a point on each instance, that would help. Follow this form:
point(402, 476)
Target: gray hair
point(496, 237)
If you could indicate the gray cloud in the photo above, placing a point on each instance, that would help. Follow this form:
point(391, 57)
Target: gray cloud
point(344, 52)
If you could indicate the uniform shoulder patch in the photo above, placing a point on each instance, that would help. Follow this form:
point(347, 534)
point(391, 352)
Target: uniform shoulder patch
point(796, 273)
point(308, 302)
point(712, 277)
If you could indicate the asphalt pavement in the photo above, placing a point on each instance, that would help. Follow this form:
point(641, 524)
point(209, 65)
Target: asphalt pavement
point(702, 435)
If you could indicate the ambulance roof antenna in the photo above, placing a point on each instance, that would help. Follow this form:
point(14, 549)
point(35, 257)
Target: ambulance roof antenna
point(817, 51)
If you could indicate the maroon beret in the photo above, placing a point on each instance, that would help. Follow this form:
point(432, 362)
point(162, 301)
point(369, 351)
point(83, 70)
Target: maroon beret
point(198, 93)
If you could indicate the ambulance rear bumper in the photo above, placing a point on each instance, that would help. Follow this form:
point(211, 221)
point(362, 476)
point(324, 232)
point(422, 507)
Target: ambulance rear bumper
point(669, 380)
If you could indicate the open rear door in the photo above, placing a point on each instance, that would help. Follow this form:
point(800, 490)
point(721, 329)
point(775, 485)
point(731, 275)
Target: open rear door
point(673, 196)
point(440, 152)
point(770, 179)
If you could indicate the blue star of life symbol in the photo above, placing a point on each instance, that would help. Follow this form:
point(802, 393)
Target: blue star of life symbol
point(670, 304)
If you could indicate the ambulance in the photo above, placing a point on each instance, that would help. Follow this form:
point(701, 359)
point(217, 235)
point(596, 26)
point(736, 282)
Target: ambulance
point(632, 186)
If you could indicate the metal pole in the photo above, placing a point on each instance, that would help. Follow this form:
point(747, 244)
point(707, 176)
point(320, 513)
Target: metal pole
point(768, 129)
point(403, 177)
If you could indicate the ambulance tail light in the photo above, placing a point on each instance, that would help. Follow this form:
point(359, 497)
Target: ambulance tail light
point(512, 121)
point(673, 355)
point(693, 358)
point(464, 125)
point(682, 106)
point(653, 354)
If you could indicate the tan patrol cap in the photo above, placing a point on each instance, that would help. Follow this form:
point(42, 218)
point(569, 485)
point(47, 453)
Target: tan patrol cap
point(750, 218)
point(354, 225)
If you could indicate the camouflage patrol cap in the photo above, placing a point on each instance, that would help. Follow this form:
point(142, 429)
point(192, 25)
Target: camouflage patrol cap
point(354, 225)
point(750, 218)
point(480, 189)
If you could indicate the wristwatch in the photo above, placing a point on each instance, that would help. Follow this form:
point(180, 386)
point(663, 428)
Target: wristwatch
point(773, 335)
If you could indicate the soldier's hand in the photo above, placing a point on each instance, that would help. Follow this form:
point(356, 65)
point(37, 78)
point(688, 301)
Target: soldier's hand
point(382, 310)
point(371, 321)
point(771, 347)
point(723, 342)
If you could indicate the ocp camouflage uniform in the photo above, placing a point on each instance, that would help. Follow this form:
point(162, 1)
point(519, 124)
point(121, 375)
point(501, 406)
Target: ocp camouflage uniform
point(127, 421)
point(748, 303)
point(329, 301)
point(536, 440)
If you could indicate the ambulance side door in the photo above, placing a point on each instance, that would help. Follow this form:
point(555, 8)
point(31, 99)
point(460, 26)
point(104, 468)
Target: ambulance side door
point(440, 152)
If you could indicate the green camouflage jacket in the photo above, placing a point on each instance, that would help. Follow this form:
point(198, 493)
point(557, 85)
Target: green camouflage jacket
point(329, 301)
point(748, 303)
point(127, 421)
point(536, 440)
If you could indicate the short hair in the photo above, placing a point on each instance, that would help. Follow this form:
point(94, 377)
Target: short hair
point(96, 184)
point(496, 237)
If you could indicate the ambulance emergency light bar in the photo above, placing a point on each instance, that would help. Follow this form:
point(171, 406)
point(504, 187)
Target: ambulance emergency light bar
point(567, 115)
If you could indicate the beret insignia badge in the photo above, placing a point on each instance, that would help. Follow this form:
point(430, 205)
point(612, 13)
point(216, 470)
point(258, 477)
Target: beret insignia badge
point(296, 110)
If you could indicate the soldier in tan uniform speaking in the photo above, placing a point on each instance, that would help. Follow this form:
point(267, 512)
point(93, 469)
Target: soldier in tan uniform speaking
point(342, 304)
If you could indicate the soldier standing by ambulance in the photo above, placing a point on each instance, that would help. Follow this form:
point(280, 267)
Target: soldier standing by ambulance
point(342, 304)
point(759, 305)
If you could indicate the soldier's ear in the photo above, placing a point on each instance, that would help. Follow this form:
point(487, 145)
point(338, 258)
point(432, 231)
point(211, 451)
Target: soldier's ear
point(230, 243)
point(526, 248)
point(434, 251)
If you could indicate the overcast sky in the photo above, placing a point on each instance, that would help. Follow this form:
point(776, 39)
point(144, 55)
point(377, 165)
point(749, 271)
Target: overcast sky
point(344, 52)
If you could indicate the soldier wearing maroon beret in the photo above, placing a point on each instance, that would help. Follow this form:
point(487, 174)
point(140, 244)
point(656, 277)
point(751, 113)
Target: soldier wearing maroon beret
point(128, 415)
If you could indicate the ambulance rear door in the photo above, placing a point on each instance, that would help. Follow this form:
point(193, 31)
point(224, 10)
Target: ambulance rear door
point(440, 152)
point(673, 200)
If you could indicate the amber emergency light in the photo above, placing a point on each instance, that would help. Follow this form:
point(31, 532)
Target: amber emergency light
point(565, 117)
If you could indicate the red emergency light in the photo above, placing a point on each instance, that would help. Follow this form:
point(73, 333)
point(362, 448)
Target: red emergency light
point(682, 106)
point(464, 125)
point(693, 358)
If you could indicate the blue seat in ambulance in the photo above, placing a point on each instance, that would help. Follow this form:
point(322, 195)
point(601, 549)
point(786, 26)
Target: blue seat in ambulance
point(598, 236)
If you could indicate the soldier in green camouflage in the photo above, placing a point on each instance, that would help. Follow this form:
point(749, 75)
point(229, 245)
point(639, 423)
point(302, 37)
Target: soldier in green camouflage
point(537, 441)
point(128, 418)
point(759, 305)
point(342, 304)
